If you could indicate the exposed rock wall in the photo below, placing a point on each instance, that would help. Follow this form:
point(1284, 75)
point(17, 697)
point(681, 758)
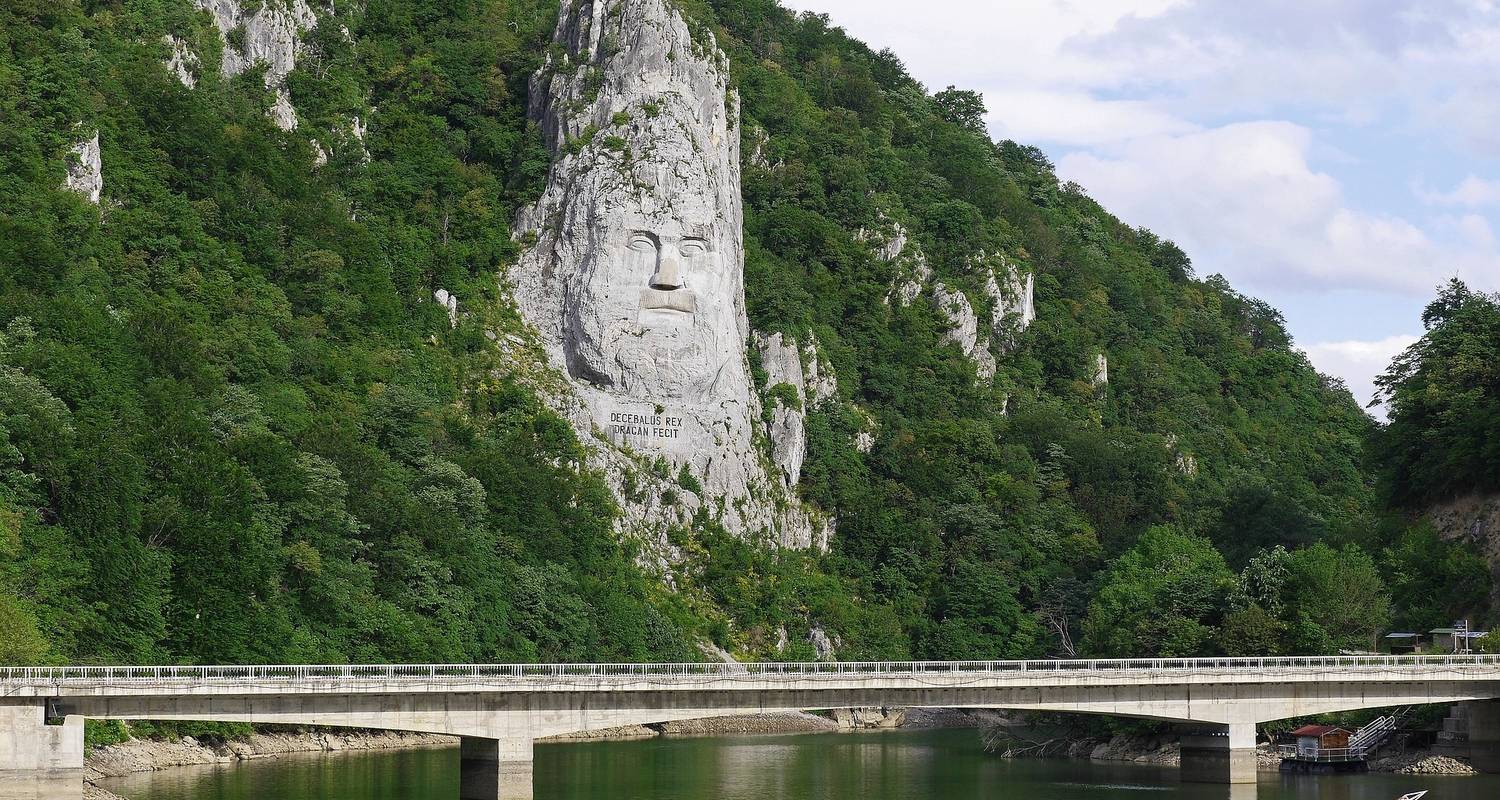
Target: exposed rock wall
point(1474, 520)
point(964, 329)
point(85, 169)
point(271, 33)
point(783, 366)
point(635, 283)
point(182, 61)
point(1014, 306)
point(891, 243)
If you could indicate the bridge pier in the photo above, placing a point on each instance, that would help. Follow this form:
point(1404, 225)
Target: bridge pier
point(31, 749)
point(1219, 753)
point(1484, 734)
point(494, 769)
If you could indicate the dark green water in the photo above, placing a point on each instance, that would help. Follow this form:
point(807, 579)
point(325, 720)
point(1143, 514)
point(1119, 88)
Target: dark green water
point(939, 765)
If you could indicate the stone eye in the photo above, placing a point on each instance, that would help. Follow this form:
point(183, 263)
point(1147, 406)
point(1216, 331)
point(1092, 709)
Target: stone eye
point(639, 242)
point(692, 248)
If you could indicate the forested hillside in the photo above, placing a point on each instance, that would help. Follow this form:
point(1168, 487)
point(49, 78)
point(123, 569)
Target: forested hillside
point(235, 426)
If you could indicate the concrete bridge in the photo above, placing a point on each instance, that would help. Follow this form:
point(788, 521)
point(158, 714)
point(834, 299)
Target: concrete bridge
point(498, 710)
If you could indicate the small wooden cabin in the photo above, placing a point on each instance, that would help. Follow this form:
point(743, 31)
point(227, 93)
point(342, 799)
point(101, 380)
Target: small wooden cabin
point(1314, 739)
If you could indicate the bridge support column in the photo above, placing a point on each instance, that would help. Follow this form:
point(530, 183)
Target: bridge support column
point(494, 769)
point(31, 749)
point(1219, 753)
point(1484, 734)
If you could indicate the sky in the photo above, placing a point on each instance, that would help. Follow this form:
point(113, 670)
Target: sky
point(1337, 158)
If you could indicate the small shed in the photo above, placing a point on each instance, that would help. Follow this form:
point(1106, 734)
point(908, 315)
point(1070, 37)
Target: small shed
point(1312, 740)
point(1403, 643)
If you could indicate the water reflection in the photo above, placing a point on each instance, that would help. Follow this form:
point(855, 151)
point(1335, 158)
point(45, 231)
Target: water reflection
point(14, 788)
point(939, 765)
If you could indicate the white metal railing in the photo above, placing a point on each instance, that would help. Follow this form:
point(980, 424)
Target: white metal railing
point(790, 670)
point(1322, 755)
point(1373, 734)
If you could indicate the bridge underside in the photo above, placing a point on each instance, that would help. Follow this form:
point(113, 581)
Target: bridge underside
point(540, 714)
point(497, 728)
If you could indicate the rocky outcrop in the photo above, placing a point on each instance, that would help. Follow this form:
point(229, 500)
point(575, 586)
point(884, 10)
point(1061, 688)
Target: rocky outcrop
point(797, 381)
point(963, 329)
point(891, 243)
point(1473, 519)
point(182, 62)
point(1013, 305)
point(269, 33)
point(824, 646)
point(449, 303)
point(85, 169)
point(787, 388)
point(1187, 463)
point(1101, 371)
point(868, 718)
point(635, 283)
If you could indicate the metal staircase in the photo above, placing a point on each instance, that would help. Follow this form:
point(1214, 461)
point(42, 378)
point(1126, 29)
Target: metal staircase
point(1371, 736)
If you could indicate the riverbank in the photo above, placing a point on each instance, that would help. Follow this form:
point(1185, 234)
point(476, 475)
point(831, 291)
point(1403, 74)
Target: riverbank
point(1008, 739)
point(151, 755)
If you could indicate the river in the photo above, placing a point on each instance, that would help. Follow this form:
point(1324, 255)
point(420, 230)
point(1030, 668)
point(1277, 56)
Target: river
point(931, 765)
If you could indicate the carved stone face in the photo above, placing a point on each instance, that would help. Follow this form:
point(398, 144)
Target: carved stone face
point(670, 263)
point(655, 314)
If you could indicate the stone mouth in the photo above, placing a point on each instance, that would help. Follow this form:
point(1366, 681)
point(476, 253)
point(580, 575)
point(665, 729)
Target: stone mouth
point(680, 300)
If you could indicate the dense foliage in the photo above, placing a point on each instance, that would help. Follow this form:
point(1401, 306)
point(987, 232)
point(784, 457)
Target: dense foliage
point(235, 427)
point(1012, 517)
point(1444, 397)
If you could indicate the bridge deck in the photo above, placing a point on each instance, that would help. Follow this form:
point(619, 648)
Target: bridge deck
point(424, 678)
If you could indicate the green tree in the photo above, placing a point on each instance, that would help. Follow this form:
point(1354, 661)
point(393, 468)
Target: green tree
point(1338, 595)
point(1444, 398)
point(961, 107)
point(1161, 597)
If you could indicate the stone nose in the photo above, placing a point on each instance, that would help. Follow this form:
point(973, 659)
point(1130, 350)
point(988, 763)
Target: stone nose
point(666, 276)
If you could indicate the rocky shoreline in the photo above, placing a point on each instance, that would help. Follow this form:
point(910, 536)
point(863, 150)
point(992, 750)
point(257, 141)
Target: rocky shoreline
point(1002, 736)
point(1016, 741)
point(151, 755)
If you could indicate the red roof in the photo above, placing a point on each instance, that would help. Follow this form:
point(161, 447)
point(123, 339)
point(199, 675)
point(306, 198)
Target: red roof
point(1316, 730)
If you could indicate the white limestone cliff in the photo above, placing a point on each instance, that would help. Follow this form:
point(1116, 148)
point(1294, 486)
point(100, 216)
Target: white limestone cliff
point(782, 362)
point(822, 384)
point(963, 328)
point(1101, 371)
point(1013, 306)
point(85, 169)
point(269, 33)
point(182, 62)
point(635, 283)
point(891, 244)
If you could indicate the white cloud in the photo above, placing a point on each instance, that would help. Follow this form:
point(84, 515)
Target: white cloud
point(1424, 65)
point(1244, 200)
point(1358, 363)
point(1472, 192)
point(1272, 139)
point(1075, 118)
